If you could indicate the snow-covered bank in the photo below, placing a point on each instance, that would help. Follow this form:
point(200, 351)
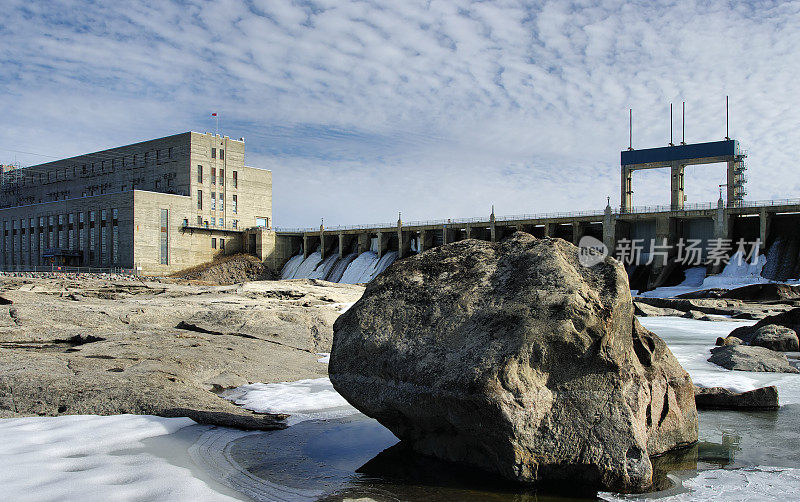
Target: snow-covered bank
point(87, 457)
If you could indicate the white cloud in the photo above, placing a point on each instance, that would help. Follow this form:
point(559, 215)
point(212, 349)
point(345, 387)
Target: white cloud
point(434, 108)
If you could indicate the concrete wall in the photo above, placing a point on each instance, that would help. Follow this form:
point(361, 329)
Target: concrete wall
point(159, 165)
point(187, 246)
point(252, 187)
point(95, 241)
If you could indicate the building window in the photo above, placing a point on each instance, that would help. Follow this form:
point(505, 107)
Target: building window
point(235, 223)
point(235, 180)
point(199, 221)
point(221, 202)
point(262, 222)
point(222, 244)
point(213, 153)
point(213, 201)
point(222, 176)
point(213, 176)
point(222, 223)
point(199, 174)
point(235, 203)
point(164, 241)
point(199, 199)
point(213, 222)
point(221, 154)
point(169, 152)
point(213, 243)
point(157, 184)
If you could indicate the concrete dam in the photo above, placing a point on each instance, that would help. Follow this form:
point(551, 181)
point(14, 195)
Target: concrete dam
point(359, 253)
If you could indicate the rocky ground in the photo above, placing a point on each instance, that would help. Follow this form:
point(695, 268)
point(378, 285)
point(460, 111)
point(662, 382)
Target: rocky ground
point(106, 345)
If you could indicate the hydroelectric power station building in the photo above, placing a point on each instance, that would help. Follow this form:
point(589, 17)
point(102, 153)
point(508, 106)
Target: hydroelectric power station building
point(157, 207)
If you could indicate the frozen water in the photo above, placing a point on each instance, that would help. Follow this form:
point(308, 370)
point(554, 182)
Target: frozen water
point(737, 273)
point(311, 399)
point(732, 485)
point(691, 342)
point(92, 458)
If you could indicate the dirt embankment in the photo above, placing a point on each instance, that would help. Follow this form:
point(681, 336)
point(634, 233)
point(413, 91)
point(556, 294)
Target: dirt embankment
point(231, 269)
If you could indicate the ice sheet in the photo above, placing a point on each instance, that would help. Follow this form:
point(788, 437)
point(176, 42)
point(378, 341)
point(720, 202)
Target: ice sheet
point(311, 399)
point(86, 457)
point(737, 273)
point(733, 485)
point(691, 341)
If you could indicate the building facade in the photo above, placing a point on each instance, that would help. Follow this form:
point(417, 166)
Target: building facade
point(157, 206)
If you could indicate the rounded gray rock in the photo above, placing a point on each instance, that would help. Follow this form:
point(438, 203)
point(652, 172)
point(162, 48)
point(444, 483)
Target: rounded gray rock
point(776, 337)
point(515, 358)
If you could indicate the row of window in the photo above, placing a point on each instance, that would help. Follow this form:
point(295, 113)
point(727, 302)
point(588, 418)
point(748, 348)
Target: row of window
point(214, 243)
point(26, 241)
point(221, 199)
point(212, 222)
point(90, 168)
point(221, 153)
point(220, 178)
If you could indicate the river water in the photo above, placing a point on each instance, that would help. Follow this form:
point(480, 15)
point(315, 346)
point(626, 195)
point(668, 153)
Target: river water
point(740, 456)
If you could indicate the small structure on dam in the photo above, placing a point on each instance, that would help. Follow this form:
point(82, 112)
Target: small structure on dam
point(676, 158)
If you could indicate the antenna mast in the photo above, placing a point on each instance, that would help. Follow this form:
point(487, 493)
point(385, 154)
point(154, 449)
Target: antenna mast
point(670, 126)
point(683, 125)
point(727, 135)
point(630, 128)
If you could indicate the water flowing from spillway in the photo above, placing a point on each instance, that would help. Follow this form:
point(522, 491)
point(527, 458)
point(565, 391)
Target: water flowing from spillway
point(353, 268)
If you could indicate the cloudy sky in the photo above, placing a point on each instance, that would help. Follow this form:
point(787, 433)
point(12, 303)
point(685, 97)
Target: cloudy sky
point(434, 108)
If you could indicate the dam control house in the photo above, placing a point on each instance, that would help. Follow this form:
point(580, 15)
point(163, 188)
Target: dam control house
point(157, 207)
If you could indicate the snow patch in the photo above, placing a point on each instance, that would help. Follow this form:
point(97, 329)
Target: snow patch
point(737, 273)
point(87, 458)
point(312, 399)
point(732, 485)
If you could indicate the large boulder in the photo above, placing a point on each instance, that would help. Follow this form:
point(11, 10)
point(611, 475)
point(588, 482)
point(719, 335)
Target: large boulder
point(515, 358)
point(749, 358)
point(775, 332)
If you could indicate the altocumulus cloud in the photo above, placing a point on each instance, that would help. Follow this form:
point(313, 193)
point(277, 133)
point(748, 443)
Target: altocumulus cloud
point(434, 108)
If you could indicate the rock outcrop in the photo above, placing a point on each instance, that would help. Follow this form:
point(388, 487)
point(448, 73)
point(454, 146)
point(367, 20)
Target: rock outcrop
point(776, 332)
point(71, 345)
point(718, 398)
point(516, 359)
point(748, 358)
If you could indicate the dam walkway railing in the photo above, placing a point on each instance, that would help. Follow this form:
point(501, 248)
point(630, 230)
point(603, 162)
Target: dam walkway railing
point(704, 206)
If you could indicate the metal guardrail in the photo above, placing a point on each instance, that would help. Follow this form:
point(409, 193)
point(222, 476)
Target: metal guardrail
point(701, 206)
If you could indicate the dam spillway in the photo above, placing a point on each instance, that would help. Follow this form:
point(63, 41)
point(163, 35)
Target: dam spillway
point(355, 254)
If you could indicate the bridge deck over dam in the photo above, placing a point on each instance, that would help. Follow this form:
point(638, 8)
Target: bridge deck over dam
point(749, 220)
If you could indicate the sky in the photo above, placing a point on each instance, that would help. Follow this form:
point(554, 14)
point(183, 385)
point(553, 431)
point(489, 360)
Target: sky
point(432, 109)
